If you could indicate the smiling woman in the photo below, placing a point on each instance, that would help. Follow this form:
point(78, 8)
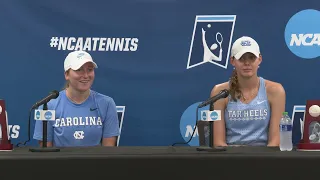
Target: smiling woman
point(253, 110)
point(83, 117)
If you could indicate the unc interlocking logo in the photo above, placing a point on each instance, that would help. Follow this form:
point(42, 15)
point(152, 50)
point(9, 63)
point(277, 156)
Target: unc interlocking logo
point(214, 31)
point(78, 135)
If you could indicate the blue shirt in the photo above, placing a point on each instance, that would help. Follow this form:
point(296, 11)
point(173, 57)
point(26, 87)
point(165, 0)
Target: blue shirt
point(248, 124)
point(82, 124)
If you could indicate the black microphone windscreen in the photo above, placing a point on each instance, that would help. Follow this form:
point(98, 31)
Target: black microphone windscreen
point(56, 93)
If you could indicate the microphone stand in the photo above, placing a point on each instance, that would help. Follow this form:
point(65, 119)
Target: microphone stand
point(211, 147)
point(44, 147)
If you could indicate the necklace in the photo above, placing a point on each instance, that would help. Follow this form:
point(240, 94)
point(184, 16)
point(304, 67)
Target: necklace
point(75, 102)
point(252, 93)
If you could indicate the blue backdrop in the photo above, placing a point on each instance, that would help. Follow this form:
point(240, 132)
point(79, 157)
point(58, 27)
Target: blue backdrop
point(151, 56)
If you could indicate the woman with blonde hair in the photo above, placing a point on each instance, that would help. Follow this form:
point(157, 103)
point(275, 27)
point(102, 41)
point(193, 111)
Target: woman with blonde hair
point(84, 117)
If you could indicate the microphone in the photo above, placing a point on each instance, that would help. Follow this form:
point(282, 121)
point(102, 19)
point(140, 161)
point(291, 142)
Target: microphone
point(53, 95)
point(222, 94)
point(44, 115)
point(214, 115)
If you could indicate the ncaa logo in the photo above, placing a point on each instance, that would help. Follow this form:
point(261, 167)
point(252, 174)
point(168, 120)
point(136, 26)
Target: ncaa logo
point(37, 114)
point(214, 115)
point(207, 115)
point(211, 40)
point(204, 115)
point(48, 115)
point(302, 34)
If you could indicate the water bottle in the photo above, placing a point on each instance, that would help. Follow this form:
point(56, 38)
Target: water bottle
point(285, 132)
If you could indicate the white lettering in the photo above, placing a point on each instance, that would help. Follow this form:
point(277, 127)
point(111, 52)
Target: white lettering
point(248, 114)
point(62, 43)
point(81, 122)
point(102, 43)
point(305, 39)
point(69, 121)
point(92, 120)
point(126, 48)
point(62, 123)
point(70, 41)
point(87, 45)
point(119, 44)
point(234, 114)
point(14, 131)
point(78, 121)
point(189, 131)
point(75, 121)
point(256, 112)
point(79, 45)
point(95, 43)
point(99, 122)
point(238, 114)
point(134, 44)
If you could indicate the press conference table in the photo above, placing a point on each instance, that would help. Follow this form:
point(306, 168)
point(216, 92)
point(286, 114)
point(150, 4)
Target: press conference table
point(159, 163)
